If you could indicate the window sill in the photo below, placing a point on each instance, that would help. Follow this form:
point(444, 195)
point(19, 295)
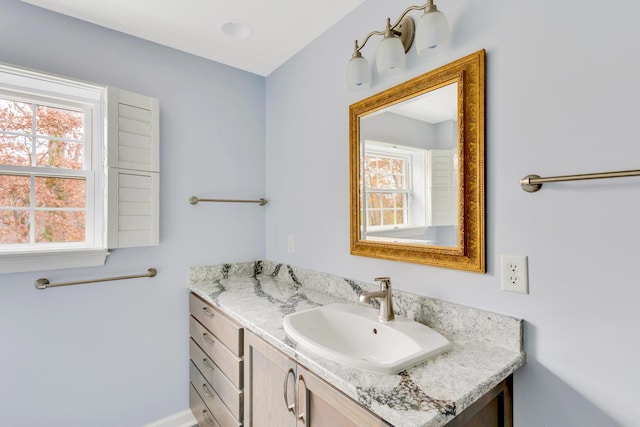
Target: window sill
point(54, 260)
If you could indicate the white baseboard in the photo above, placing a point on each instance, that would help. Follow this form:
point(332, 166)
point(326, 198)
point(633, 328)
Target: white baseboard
point(181, 419)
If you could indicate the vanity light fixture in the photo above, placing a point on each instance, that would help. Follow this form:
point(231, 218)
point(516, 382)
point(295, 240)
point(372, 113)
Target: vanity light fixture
point(431, 34)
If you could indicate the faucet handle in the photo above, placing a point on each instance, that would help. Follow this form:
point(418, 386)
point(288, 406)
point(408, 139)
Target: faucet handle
point(385, 282)
point(386, 299)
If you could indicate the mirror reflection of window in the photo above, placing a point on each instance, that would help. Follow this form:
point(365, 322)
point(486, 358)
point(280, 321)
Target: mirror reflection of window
point(394, 191)
point(387, 187)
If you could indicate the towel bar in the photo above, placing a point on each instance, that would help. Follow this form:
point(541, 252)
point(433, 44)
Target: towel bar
point(44, 283)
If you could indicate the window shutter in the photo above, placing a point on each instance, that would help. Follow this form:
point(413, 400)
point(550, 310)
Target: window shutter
point(133, 208)
point(442, 199)
point(133, 169)
point(133, 126)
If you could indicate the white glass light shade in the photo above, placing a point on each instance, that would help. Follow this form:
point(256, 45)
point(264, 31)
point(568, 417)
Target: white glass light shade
point(432, 33)
point(358, 73)
point(390, 57)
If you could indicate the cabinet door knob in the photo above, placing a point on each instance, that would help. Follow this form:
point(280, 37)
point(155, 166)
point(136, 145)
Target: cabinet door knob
point(208, 311)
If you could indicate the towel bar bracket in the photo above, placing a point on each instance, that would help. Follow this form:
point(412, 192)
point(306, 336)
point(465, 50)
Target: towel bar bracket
point(527, 186)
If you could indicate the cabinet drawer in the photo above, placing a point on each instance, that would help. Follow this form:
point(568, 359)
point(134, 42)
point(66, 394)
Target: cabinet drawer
point(230, 364)
point(199, 410)
point(211, 400)
point(230, 395)
point(216, 322)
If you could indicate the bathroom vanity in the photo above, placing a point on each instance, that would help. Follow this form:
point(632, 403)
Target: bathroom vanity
point(245, 370)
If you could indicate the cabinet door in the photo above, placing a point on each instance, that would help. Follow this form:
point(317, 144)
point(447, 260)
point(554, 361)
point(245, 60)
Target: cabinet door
point(269, 385)
point(321, 405)
point(494, 409)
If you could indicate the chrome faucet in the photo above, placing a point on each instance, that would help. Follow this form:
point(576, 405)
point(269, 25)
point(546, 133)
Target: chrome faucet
point(384, 295)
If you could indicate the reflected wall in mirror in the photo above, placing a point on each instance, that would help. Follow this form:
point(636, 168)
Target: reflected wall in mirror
point(417, 169)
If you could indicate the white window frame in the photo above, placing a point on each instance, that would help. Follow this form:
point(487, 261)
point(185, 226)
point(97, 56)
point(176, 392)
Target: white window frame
point(57, 91)
point(405, 192)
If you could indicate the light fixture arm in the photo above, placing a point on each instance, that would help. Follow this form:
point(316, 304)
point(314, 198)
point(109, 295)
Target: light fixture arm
point(428, 6)
point(366, 39)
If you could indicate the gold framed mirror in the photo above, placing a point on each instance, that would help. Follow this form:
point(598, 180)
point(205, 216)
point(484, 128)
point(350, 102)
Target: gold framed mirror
point(417, 169)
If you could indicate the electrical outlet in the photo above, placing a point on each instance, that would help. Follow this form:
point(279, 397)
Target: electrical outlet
point(515, 274)
point(291, 243)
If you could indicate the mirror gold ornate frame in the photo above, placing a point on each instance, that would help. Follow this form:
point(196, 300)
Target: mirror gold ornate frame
point(469, 254)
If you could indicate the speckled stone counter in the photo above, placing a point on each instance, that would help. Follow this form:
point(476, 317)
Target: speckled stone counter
point(487, 347)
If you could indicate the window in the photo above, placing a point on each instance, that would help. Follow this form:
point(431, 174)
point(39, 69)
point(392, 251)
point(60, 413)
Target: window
point(67, 193)
point(46, 177)
point(386, 189)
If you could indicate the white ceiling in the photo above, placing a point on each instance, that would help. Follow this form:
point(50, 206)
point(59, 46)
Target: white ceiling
point(280, 28)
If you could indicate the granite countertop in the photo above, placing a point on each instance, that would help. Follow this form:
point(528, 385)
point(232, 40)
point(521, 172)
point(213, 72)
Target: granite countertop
point(487, 347)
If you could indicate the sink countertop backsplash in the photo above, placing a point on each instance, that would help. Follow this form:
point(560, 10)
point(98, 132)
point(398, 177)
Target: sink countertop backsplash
point(487, 347)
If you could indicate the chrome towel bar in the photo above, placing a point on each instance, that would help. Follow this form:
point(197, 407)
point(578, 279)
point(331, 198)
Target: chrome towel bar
point(194, 201)
point(44, 283)
point(533, 183)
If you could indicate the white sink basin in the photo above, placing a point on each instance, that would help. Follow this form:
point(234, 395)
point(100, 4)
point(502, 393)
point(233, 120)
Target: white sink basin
point(351, 334)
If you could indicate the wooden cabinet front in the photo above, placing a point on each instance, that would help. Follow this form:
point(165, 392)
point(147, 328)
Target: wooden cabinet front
point(215, 370)
point(225, 329)
point(269, 385)
point(200, 411)
point(494, 409)
point(278, 392)
point(230, 364)
point(322, 405)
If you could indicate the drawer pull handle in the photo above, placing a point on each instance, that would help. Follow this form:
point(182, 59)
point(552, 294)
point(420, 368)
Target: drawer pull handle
point(206, 390)
point(208, 311)
point(208, 364)
point(205, 337)
point(208, 418)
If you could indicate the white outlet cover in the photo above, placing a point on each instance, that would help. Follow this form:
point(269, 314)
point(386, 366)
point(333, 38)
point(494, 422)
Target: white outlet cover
point(514, 273)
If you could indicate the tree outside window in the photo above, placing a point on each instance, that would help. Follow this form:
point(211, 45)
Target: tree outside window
point(43, 177)
point(386, 190)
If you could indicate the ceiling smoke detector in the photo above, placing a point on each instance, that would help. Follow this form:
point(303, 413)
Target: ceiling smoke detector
point(236, 29)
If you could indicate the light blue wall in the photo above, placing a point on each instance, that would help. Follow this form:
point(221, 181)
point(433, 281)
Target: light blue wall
point(393, 128)
point(115, 354)
point(558, 76)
